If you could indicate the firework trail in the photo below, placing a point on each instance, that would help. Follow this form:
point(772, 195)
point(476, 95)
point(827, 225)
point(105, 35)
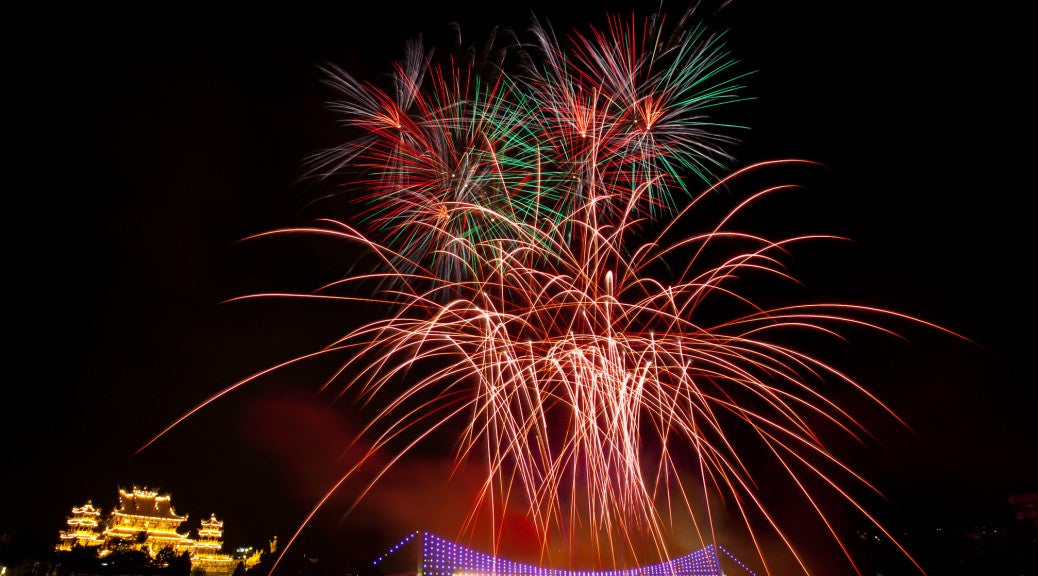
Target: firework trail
point(563, 366)
point(603, 381)
point(624, 117)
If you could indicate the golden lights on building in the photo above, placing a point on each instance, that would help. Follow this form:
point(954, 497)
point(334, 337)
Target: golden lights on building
point(149, 517)
point(207, 554)
point(145, 520)
point(83, 527)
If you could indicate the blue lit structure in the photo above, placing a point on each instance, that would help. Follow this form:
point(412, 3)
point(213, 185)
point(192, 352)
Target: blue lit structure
point(440, 557)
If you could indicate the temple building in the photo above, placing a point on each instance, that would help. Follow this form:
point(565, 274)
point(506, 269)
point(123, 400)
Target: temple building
point(145, 520)
point(207, 555)
point(83, 528)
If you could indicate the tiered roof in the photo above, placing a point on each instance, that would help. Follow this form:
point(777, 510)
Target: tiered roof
point(145, 520)
point(144, 502)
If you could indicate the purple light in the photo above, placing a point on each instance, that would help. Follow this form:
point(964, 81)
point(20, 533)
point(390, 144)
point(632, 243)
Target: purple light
point(441, 557)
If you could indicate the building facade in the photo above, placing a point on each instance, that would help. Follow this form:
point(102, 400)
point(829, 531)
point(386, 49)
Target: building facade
point(84, 527)
point(146, 521)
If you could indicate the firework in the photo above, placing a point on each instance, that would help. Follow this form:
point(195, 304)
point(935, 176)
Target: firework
point(457, 149)
point(601, 380)
point(625, 114)
point(593, 390)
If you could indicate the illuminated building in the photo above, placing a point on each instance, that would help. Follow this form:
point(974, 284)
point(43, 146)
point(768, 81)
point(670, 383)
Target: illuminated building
point(210, 535)
point(145, 520)
point(207, 555)
point(437, 556)
point(83, 528)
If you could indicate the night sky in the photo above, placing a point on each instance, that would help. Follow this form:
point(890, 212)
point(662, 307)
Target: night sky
point(147, 143)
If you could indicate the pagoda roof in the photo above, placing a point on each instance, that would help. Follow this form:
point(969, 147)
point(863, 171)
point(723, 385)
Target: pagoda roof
point(144, 502)
point(87, 508)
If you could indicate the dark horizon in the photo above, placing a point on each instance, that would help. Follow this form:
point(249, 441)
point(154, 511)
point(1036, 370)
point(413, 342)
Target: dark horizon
point(156, 139)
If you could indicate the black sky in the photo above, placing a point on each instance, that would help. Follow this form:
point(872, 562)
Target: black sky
point(148, 142)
